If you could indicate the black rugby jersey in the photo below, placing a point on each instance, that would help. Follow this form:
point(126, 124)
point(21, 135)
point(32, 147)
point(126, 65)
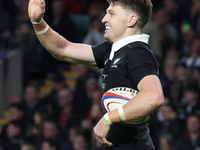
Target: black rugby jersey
point(129, 65)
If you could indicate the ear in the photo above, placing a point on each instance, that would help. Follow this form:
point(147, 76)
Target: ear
point(132, 21)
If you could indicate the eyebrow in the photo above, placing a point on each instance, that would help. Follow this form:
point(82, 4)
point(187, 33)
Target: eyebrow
point(110, 11)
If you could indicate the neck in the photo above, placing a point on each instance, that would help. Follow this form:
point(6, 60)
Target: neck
point(129, 32)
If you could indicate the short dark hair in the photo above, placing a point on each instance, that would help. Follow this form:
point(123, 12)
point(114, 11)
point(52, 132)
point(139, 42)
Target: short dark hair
point(142, 7)
point(19, 106)
point(19, 124)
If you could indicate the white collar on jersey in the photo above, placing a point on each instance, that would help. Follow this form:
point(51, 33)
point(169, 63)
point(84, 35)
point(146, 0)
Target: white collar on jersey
point(139, 37)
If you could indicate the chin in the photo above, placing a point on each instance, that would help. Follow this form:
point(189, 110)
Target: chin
point(107, 38)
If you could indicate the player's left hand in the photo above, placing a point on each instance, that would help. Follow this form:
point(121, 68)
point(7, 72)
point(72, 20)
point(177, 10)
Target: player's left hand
point(100, 131)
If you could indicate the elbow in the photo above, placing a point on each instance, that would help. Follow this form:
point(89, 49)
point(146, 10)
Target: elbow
point(59, 55)
point(158, 100)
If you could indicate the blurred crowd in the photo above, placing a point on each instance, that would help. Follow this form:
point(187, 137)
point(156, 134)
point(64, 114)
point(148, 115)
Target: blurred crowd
point(64, 119)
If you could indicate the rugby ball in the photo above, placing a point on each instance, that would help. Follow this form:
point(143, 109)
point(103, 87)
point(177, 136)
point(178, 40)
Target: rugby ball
point(119, 96)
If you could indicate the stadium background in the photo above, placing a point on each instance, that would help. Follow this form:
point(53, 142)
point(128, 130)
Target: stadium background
point(45, 101)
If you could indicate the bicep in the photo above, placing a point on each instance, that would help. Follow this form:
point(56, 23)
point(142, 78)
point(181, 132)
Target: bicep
point(151, 84)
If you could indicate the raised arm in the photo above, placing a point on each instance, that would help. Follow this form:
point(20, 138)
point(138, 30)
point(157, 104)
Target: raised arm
point(59, 47)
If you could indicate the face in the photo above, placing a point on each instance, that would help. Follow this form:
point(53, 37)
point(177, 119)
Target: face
point(15, 113)
point(64, 98)
point(31, 94)
point(191, 96)
point(79, 142)
point(115, 21)
point(164, 145)
point(49, 131)
point(26, 147)
point(57, 8)
point(37, 118)
point(46, 146)
point(12, 131)
point(193, 124)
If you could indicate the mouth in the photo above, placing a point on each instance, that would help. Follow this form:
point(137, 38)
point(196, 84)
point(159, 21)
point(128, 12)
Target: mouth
point(107, 27)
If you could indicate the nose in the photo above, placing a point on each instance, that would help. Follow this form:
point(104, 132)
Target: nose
point(104, 20)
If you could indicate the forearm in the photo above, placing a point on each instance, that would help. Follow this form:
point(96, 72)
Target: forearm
point(61, 48)
point(140, 106)
point(51, 40)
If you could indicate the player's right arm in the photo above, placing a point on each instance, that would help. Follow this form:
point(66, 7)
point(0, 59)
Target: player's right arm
point(54, 43)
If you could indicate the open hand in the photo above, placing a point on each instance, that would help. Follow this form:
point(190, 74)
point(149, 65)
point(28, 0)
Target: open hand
point(36, 10)
point(100, 131)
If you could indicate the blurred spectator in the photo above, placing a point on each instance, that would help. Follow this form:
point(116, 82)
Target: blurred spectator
point(191, 139)
point(196, 74)
point(188, 38)
point(80, 143)
point(175, 14)
point(27, 147)
point(35, 132)
point(167, 75)
point(193, 59)
point(50, 131)
point(96, 31)
point(190, 102)
point(61, 23)
point(50, 144)
point(16, 137)
point(26, 42)
point(73, 6)
point(22, 15)
point(32, 103)
point(94, 114)
point(166, 142)
point(96, 7)
point(67, 118)
point(80, 96)
point(1, 147)
point(14, 98)
point(170, 124)
point(196, 19)
point(162, 19)
point(12, 7)
point(51, 99)
point(16, 114)
point(73, 132)
point(5, 29)
point(152, 29)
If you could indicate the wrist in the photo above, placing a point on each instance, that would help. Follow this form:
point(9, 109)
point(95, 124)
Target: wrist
point(35, 22)
point(121, 113)
point(107, 119)
point(40, 27)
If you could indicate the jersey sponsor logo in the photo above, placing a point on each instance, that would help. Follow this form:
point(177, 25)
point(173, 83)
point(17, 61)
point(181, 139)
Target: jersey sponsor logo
point(134, 92)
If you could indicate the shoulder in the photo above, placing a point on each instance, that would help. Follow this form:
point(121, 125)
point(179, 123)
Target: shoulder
point(139, 47)
point(103, 45)
point(139, 51)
